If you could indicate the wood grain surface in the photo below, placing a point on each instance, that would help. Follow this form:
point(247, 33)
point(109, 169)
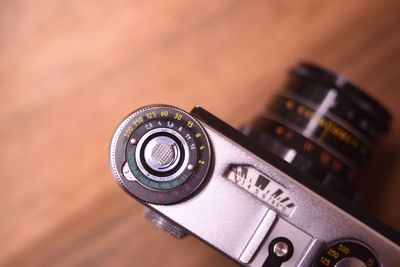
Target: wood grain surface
point(71, 70)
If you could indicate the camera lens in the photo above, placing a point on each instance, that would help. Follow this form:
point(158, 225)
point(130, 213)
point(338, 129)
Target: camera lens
point(323, 125)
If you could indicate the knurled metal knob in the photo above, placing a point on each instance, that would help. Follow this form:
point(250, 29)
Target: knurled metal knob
point(351, 262)
point(164, 224)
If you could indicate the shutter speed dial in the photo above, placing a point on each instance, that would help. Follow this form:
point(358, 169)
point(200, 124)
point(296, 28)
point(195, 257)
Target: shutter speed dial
point(160, 154)
point(348, 253)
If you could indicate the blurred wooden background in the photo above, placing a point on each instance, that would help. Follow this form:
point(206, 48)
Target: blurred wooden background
point(71, 70)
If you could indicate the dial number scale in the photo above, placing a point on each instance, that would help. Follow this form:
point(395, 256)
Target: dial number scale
point(347, 253)
point(166, 154)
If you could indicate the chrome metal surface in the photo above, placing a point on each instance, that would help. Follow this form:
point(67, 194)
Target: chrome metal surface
point(190, 167)
point(133, 141)
point(127, 172)
point(161, 153)
point(310, 253)
point(290, 155)
point(281, 249)
point(260, 233)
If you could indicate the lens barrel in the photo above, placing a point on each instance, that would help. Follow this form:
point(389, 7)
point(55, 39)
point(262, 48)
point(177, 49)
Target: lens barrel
point(323, 125)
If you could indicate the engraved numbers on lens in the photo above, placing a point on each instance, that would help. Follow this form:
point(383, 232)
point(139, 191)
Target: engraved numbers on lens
point(167, 154)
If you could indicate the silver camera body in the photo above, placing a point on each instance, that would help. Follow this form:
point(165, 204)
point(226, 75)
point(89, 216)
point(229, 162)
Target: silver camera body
point(238, 198)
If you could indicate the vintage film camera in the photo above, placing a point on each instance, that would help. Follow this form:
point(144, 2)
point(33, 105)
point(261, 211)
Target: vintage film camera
point(276, 194)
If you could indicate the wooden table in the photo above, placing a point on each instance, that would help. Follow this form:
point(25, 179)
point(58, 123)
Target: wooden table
point(71, 70)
